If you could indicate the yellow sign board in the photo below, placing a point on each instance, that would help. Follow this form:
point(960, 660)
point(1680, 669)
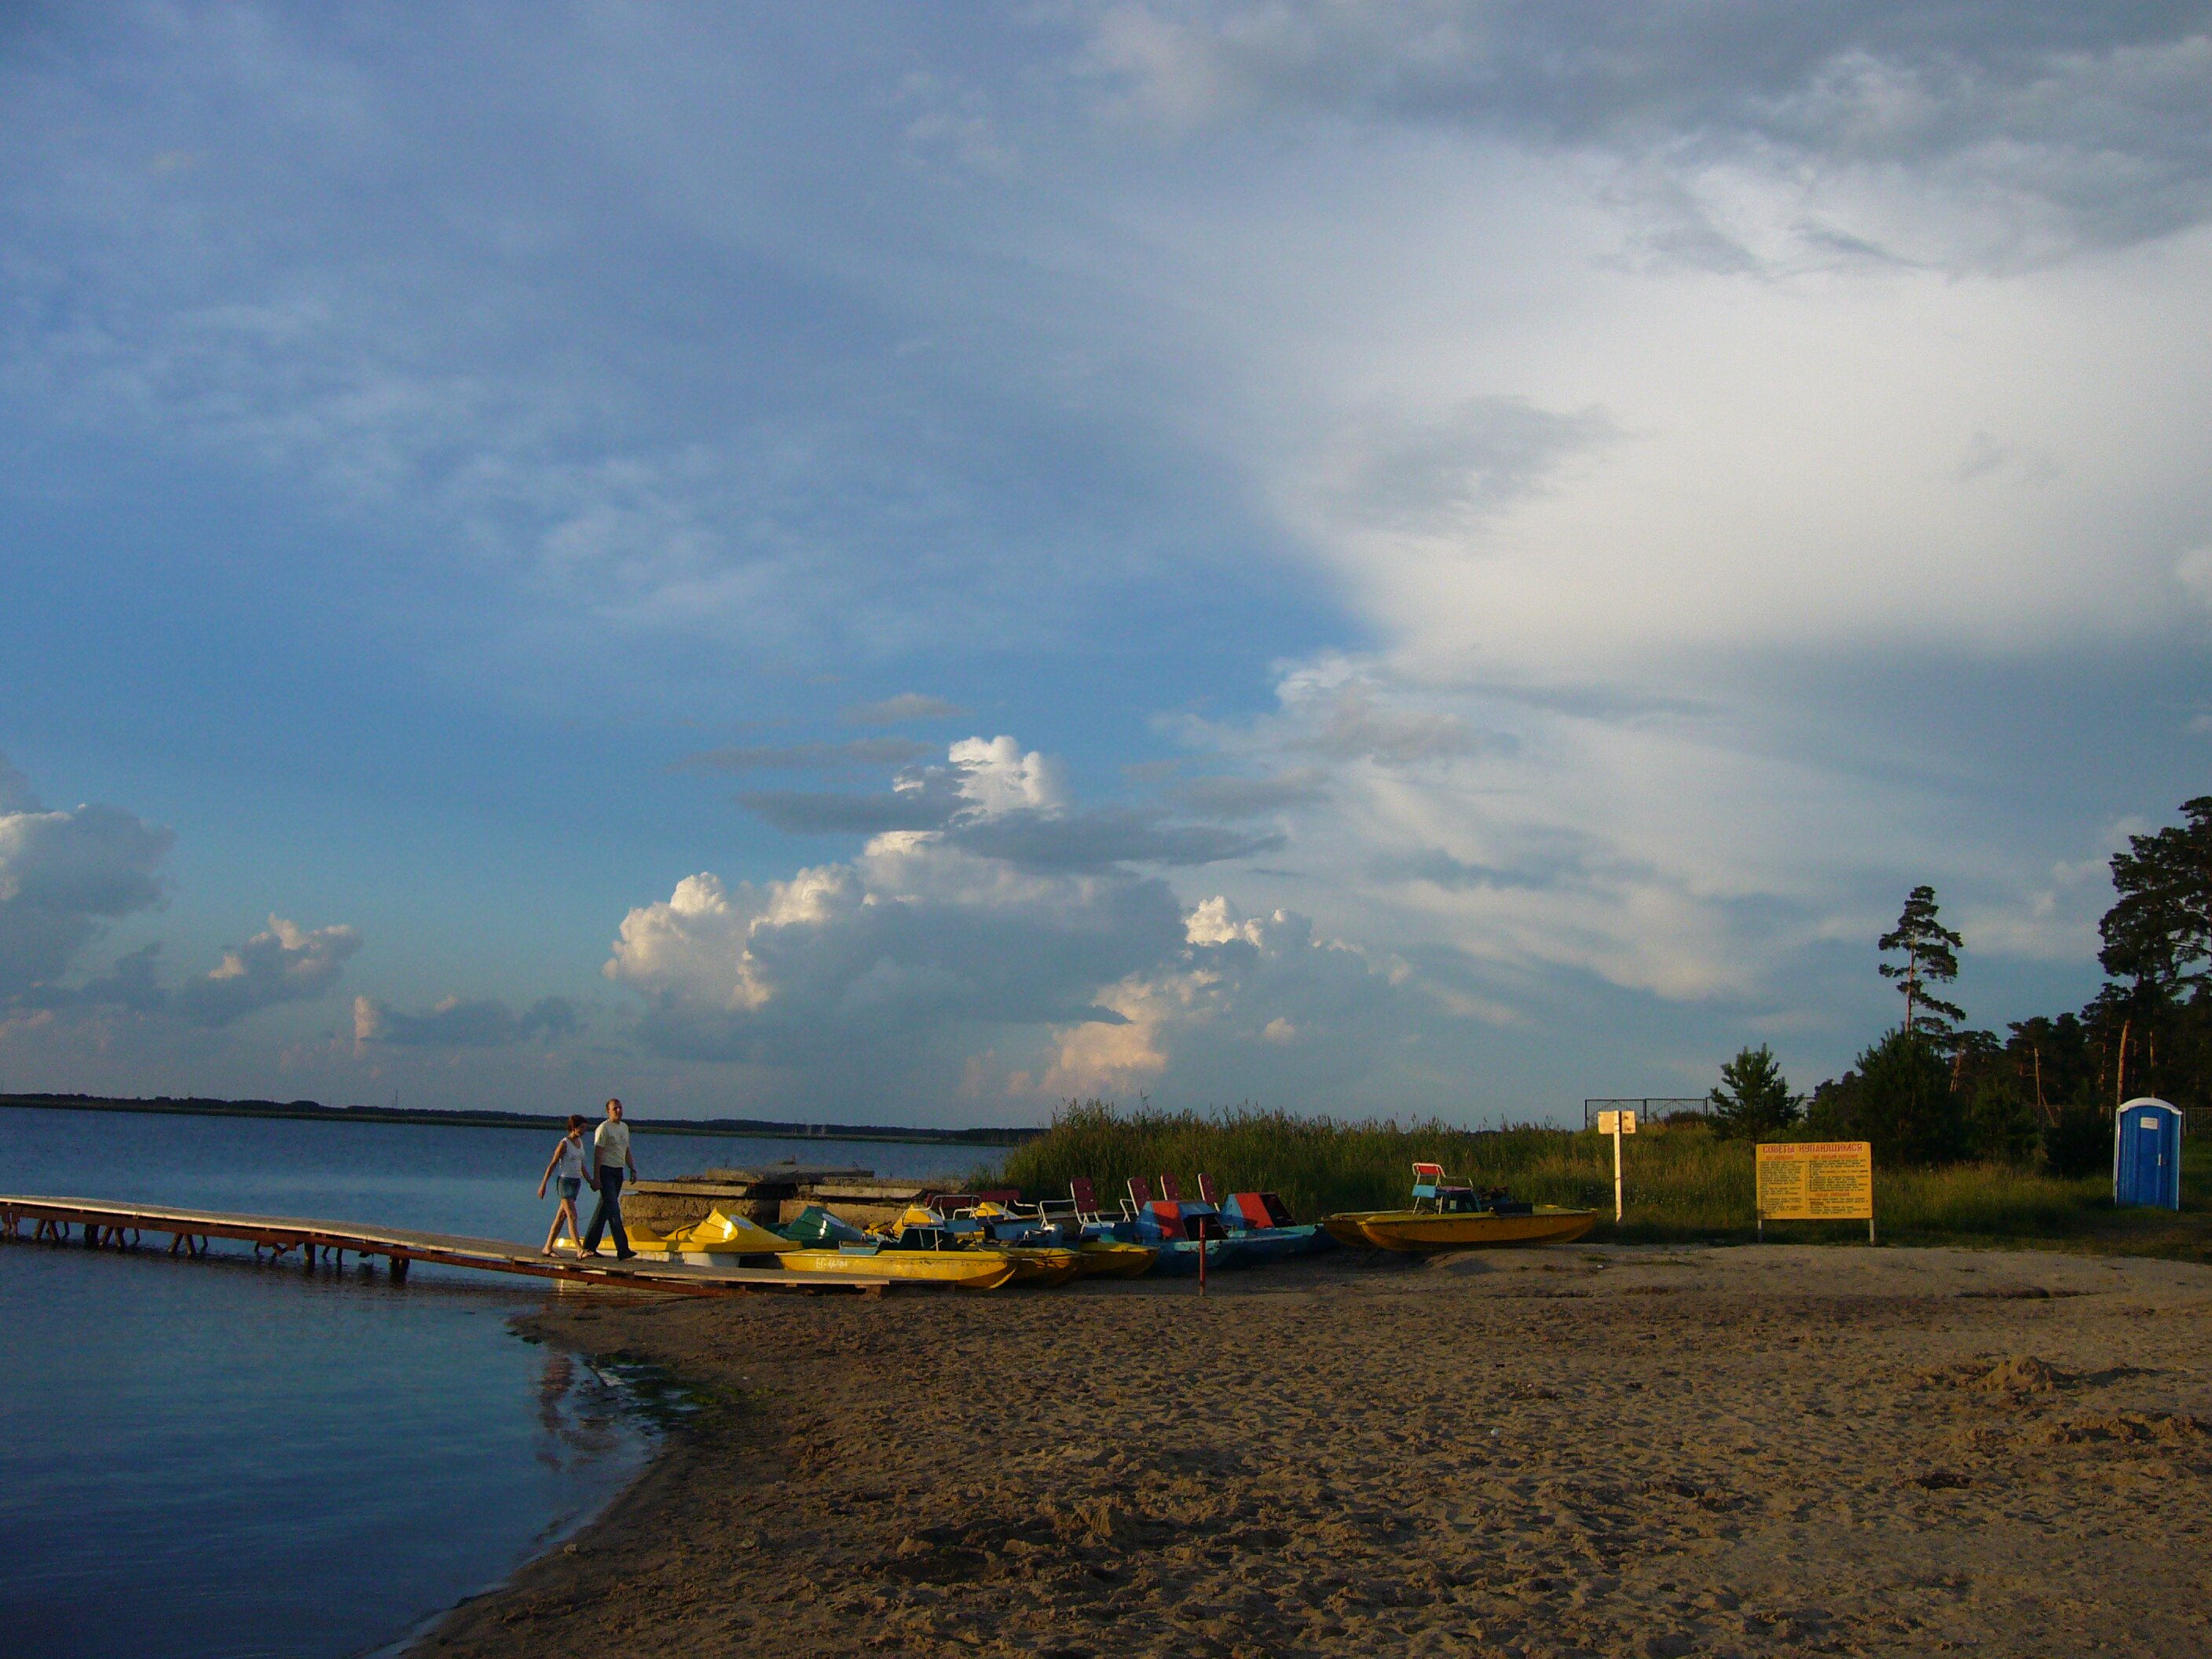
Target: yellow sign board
point(1815, 1181)
point(1616, 1123)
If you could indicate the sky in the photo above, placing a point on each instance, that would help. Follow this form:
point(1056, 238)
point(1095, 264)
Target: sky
point(900, 564)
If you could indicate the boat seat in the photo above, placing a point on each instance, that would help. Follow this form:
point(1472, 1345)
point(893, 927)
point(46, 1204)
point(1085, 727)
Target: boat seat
point(1207, 1192)
point(1170, 1188)
point(1259, 1210)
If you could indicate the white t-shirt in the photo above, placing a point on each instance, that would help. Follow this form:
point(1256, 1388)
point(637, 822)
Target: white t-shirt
point(612, 1139)
point(571, 1162)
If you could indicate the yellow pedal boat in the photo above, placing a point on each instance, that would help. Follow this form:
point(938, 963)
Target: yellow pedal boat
point(963, 1270)
point(1110, 1258)
point(1449, 1215)
point(1033, 1264)
point(1431, 1230)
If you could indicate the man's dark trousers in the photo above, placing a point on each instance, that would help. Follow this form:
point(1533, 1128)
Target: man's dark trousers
point(607, 1213)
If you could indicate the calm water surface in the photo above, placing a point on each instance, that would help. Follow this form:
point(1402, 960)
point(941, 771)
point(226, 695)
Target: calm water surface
point(215, 1458)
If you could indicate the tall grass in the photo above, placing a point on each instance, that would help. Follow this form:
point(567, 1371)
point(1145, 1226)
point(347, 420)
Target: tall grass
point(1681, 1184)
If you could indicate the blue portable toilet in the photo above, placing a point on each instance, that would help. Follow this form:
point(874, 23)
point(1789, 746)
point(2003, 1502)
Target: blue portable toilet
point(2147, 1154)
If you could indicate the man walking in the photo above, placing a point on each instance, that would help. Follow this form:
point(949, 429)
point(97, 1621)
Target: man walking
point(611, 1150)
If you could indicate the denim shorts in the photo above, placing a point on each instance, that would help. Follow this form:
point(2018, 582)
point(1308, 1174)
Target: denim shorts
point(568, 1185)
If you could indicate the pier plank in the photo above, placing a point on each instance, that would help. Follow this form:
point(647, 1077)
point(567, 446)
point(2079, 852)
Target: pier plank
point(399, 1245)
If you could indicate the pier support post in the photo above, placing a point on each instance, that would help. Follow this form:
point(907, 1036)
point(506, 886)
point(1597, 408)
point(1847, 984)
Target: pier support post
point(399, 1264)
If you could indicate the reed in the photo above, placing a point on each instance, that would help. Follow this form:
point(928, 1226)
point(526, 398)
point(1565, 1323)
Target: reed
point(1682, 1183)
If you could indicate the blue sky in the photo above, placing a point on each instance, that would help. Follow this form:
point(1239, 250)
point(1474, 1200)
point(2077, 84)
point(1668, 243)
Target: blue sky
point(877, 564)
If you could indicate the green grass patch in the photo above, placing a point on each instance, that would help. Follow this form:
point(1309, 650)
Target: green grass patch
point(1682, 1184)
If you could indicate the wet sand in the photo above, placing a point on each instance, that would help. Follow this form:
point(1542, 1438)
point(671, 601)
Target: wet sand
point(1574, 1450)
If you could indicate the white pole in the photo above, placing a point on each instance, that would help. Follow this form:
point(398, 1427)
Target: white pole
point(1616, 1170)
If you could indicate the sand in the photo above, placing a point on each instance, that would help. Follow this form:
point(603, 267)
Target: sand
point(1574, 1450)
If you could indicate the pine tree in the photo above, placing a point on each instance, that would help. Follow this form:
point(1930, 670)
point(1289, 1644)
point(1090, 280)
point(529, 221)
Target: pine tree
point(1753, 1098)
point(1931, 958)
point(2161, 928)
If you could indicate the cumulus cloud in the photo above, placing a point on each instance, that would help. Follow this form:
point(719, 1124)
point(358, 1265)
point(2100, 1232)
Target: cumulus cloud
point(1224, 1008)
point(63, 874)
point(1015, 926)
point(906, 706)
point(882, 955)
point(285, 962)
point(464, 1023)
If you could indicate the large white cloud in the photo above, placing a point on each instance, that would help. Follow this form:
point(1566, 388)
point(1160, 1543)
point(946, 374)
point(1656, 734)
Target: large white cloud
point(930, 949)
point(63, 874)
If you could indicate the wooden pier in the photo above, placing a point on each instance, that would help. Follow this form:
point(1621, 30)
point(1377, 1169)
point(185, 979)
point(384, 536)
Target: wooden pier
point(104, 1225)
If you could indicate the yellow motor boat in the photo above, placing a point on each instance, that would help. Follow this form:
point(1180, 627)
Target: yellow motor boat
point(1452, 1216)
point(1109, 1258)
point(963, 1270)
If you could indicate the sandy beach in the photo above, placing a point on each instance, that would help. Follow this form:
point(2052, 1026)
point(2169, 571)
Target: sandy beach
point(1614, 1451)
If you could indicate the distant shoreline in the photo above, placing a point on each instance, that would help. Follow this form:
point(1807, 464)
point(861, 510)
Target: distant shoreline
point(315, 1111)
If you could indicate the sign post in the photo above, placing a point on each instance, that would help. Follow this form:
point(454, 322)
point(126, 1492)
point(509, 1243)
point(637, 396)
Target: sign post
point(1616, 1124)
point(1815, 1181)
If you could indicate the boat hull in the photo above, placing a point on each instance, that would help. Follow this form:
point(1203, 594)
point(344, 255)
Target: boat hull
point(966, 1270)
point(1430, 1230)
point(1101, 1258)
point(1179, 1256)
point(1034, 1266)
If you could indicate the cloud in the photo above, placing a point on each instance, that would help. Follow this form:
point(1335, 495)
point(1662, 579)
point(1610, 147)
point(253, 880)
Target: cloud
point(282, 964)
point(995, 800)
point(882, 958)
point(906, 706)
point(1239, 999)
point(1100, 839)
point(15, 794)
point(1230, 796)
point(2077, 118)
point(861, 751)
point(459, 1022)
point(1437, 477)
point(1342, 718)
point(62, 875)
point(2193, 570)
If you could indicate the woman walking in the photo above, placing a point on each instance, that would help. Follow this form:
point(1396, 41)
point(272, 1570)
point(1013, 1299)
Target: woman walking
point(566, 1168)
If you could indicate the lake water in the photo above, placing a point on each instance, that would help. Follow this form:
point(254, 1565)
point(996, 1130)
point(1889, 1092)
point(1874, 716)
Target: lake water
point(217, 1458)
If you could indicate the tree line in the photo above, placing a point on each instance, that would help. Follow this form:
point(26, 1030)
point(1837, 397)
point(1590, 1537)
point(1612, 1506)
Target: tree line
point(1934, 1090)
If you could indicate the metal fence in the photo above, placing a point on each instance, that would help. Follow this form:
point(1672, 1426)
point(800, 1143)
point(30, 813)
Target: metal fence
point(1648, 1108)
